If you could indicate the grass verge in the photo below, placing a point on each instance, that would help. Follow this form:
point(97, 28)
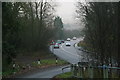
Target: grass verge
point(97, 73)
point(47, 61)
point(64, 75)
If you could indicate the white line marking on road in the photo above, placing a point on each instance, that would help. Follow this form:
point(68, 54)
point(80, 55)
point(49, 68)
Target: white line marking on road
point(67, 51)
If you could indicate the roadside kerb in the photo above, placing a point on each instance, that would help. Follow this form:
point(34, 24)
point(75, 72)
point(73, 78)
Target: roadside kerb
point(81, 49)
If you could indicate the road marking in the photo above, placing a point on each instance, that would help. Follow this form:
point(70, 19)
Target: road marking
point(67, 51)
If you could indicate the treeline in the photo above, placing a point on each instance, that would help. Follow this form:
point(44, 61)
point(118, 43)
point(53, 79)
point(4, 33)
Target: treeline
point(72, 33)
point(102, 27)
point(26, 26)
point(58, 28)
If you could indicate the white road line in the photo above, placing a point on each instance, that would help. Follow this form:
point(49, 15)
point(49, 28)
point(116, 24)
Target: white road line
point(67, 51)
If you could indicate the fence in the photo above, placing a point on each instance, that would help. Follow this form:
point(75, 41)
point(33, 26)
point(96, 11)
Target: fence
point(82, 70)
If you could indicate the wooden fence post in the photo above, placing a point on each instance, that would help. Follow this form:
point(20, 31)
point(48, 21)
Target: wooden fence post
point(105, 72)
point(75, 70)
point(72, 69)
point(90, 70)
point(80, 70)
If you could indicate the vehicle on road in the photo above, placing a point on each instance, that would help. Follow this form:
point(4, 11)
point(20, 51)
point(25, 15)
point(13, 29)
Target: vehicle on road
point(67, 44)
point(56, 45)
point(52, 42)
point(74, 38)
point(62, 41)
point(59, 41)
point(68, 39)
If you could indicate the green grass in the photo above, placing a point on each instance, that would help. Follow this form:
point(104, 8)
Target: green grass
point(85, 46)
point(9, 72)
point(64, 75)
point(97, 73)
point(46, 62)
point(49, 62)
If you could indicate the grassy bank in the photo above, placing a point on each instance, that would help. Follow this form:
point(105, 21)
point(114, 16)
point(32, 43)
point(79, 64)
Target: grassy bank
point(48, 62)
point(97, 73)
point(28, 63)
point(44, 64)
point(85, 46)
point(64, 75)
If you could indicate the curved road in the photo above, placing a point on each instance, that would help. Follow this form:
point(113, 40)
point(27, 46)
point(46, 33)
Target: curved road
point(67, 53)
point(45, 73)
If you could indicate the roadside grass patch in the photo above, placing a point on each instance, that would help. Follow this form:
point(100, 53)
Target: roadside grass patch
point(64, 75)
point(97, 73)
point(85, 46)
point(44, 63)
point(49, 62)
point(9, 72)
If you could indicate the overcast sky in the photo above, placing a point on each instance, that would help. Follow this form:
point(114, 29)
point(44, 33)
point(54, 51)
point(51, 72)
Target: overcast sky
point(66, 10)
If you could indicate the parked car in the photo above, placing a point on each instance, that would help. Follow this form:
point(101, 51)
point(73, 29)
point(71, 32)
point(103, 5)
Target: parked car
point(67, 44)
point(68, 39)
point(74, 38)
point(56, 45)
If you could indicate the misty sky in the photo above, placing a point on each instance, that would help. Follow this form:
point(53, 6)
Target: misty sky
point(66, 10)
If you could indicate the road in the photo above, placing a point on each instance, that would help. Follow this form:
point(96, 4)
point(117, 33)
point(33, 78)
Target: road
point(67, 53)
point(45, 73)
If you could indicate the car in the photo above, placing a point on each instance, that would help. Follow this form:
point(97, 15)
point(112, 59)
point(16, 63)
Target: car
point(59, 41)
point(74, 38)
point(62, 41)
point(67, 44)
point(68, 39)
point(52, 42)
point(56, 45)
